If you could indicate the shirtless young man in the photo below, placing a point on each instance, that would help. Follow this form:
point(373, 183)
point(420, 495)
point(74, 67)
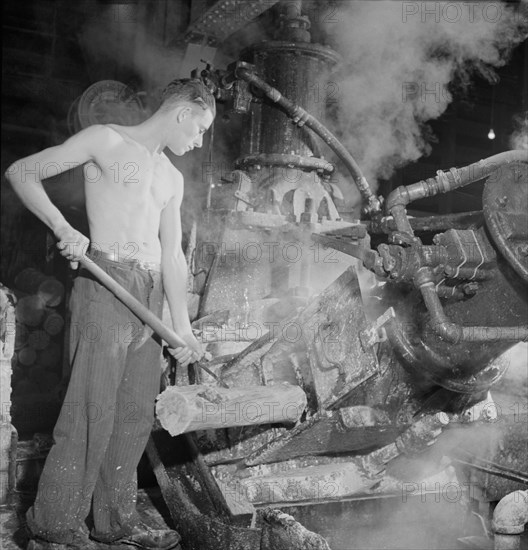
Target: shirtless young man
point(133, 198)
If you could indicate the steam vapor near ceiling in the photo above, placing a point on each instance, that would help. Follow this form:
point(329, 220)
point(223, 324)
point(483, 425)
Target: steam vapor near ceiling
point(519, 138)
point(402, 62)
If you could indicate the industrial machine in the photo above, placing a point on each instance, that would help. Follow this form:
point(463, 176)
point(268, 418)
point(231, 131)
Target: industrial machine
point(394, 327)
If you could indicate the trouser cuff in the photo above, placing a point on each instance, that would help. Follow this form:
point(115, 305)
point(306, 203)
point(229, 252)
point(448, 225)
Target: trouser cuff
point(124, 530)
point(65, 536)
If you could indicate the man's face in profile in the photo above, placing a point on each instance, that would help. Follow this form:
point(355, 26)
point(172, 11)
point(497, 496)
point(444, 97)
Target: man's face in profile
point(193, 122)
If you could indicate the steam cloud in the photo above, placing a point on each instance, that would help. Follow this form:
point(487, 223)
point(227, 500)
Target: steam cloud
point(402, 60)
point(119, 34)
point(519, 139)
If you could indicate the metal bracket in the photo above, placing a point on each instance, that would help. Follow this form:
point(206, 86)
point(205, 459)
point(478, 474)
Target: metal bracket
point(376, 333)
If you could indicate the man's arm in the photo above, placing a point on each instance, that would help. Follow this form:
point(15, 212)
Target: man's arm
point(26, 175)
point(174, 273)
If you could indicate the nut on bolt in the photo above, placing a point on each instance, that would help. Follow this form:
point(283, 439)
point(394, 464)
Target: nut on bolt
point(470, 289)
point(442, 418)
point(523, 249)
point(489, 413)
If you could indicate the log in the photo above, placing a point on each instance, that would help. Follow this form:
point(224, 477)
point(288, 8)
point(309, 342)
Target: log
point(38, 339)
point(51, 291)
point(281, 532)
point(30, 310)
point(29, 280)
point(182, 409)
point(53, 323)
point(27, 356)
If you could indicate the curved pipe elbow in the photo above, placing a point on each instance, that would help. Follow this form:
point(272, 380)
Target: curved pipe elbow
point(511, 514)
point(397, 197)
point(444, 182)
point(448, 331)
point(441, 325)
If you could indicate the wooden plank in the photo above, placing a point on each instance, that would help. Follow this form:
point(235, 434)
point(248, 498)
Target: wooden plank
point(188, 502)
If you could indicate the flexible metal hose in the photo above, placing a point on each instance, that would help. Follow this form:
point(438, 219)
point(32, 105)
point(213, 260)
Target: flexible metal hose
point(303, 118)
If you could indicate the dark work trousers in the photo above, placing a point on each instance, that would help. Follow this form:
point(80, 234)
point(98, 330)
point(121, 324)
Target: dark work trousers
point(108, 411)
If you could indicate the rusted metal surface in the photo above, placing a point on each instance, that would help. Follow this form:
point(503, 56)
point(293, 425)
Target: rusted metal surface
point(371, 400)
point(335, 361)
point(506, 215)
point(291, 483)
point(192, 510)
point(324, 433)
point(456, 342)
point(492, 453)
point(224, 18)
point(500, 301)
point(464, 220)
point(232, 446)
point(290, 161)
point(306, 78)
point(329, 360)
point(202, 516)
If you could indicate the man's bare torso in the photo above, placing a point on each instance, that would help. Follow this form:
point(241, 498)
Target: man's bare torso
point(127, 187)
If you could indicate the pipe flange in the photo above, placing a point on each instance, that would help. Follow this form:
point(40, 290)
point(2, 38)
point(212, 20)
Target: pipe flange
point(309, 49)
point(501, 529)
point(288, 161)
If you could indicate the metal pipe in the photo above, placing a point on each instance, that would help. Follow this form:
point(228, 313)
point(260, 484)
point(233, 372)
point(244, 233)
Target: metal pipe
point(452, 332)
point(293, 8)
point(424, 279)
point(445, 182)
point(302, 118)
point(509, 519)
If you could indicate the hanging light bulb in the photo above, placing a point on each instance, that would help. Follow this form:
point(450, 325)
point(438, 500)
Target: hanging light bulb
point(491, 133)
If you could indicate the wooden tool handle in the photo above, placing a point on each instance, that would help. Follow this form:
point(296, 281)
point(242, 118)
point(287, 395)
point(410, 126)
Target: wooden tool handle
point(173, 339)
point(162, 330)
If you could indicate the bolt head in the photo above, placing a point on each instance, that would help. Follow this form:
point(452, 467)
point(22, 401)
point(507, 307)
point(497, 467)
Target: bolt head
point(523, 249)
point(442, 418)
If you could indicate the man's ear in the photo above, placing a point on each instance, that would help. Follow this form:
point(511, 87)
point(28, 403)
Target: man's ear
point(183, 113)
